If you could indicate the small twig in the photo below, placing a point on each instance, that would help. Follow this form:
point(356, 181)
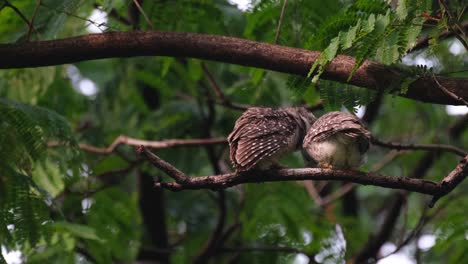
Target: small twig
point(430, 147)
point(264, 249)
point(456, 129)
point(98, 25)
point(449, 93)
point(217, 236)
point(343, 190)
point(39, 2)
point(237, 217)
point(230, 230)
point(125, 140)
point(322, 186)
point(454, 25)
point(214, 85)
point(169, 143)
point(312, 191)
point(424, 41)
point(166, 167)
point(280, 22)
point(114, 14)
point(429, 17)
point(389, 157)
point(23, 17)
point(144, 14)
point(421, 222)
point(222, 100)
point(375, 242)
point(452, 180)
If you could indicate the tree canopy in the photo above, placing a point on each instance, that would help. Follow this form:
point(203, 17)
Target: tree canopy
point(114, 116)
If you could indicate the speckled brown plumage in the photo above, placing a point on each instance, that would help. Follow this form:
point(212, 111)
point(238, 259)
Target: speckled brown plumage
point(336, 140)
point(261, 135)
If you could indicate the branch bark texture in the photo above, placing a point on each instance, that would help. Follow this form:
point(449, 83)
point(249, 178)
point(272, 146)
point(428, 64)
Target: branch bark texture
point(183, 182)
point(223, 49)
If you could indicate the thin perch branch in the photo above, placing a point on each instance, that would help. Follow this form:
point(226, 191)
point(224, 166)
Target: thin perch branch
point(169, 143)
point(125, 140)
point(231, 179)
point(431, 147)
point(222, 181)
point(166, 167)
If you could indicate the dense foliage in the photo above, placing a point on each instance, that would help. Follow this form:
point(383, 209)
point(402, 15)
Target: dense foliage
point(61, 202)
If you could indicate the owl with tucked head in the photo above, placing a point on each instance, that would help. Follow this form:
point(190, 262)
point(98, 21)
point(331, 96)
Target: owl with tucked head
point(262, 135)
point(336, 140)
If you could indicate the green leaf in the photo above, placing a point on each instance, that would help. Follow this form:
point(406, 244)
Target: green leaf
point(49, 177)
point(81, 231)
point(402, 10)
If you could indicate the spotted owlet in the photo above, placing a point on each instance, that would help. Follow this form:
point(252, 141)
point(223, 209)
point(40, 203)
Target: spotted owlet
point(262, 135)
point(336, 140)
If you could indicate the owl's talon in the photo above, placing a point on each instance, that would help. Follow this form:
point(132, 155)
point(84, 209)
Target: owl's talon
point(326, 165)
point(277, 166)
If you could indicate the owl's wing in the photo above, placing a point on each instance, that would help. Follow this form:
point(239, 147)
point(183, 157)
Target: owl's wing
point(259, 133)
point(335, 122)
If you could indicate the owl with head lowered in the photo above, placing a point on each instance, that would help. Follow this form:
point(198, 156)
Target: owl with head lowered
point(262, 135)
point(336, 140)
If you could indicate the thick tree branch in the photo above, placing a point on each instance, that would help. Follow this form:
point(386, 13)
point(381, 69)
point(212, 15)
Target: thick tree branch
point(231, 179)
point(224, 49)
